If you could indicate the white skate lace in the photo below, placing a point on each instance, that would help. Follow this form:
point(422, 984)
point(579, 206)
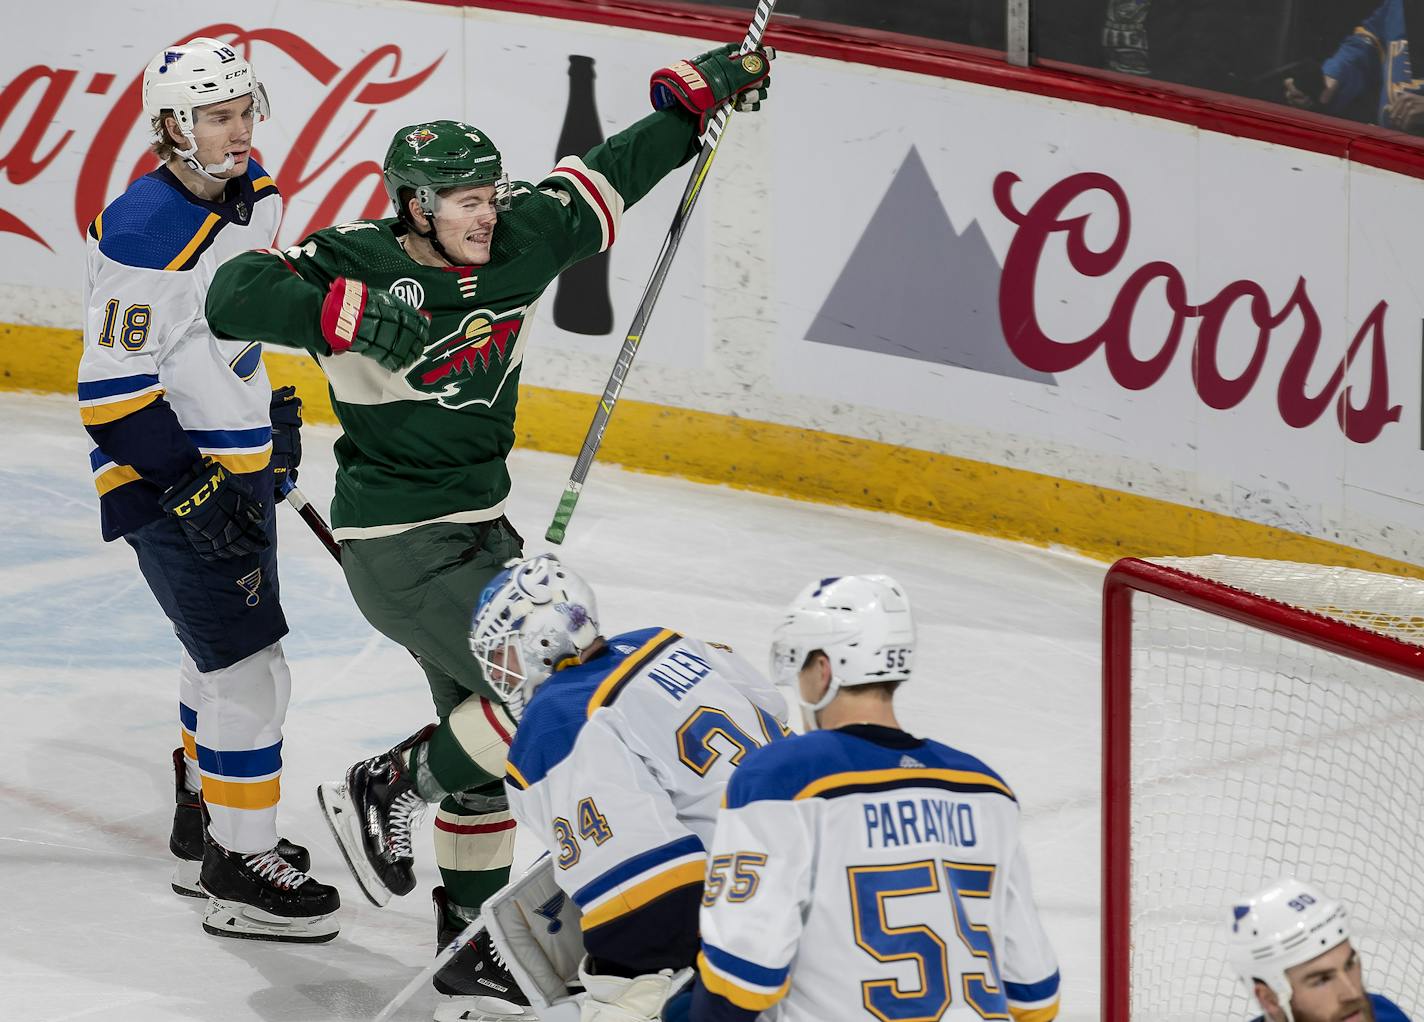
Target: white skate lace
point(406, 813)
point(272, 867)
point(495, 952)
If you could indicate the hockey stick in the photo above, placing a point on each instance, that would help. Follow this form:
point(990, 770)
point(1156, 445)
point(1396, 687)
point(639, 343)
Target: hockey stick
point(312, 517)
point(423, 978)
point(614, 387)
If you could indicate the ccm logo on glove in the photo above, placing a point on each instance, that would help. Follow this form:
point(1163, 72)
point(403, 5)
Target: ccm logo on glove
point(200, 495)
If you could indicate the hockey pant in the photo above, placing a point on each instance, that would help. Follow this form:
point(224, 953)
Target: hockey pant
point(232, 744)
point(419, 588)
point(233, 682)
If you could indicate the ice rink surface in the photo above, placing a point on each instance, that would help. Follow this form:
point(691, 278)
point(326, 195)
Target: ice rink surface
point(1007, 668)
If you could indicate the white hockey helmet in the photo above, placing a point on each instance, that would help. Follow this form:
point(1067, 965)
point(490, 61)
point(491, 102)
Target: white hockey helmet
point(1284, 925)
point(199, 73)
point(543, 610)
point(861, 622)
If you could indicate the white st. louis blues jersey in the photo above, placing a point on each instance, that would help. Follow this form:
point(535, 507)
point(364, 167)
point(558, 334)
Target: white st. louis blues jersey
point(864, 874)
point(619, 767)
point(156, 388)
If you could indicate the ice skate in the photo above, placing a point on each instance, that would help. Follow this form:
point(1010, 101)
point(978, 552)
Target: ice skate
point(474, 985)
point(263, 897)
point(371, 815)
point(186, 840)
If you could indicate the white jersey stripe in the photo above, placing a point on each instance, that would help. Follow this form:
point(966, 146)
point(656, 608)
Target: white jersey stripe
point(597, 193)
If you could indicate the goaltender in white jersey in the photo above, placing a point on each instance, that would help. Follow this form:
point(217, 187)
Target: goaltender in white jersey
point(858, 872)
point(619, 766)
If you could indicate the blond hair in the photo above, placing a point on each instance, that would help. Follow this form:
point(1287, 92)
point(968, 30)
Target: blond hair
point(162, 146)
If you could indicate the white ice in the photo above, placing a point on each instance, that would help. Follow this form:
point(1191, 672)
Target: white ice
point(1008, 668)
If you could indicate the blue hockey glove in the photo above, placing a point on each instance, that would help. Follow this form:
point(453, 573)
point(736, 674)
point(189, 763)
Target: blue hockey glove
point(286, 436)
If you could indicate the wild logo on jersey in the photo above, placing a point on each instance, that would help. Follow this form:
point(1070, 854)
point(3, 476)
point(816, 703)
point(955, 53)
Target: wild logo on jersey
point(469, 365)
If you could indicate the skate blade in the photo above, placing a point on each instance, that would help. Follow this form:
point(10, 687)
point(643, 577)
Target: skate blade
point(346, 828)
point(480, 1009)
point(246, 922)
point(185, 879)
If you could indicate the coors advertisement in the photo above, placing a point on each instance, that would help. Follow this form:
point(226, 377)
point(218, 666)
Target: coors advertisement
point(1197, 316)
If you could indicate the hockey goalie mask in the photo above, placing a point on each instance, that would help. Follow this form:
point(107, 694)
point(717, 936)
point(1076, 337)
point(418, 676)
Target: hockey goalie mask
point(863, 625)
point(532, 615)
point(199, 73)
point(1285, 925)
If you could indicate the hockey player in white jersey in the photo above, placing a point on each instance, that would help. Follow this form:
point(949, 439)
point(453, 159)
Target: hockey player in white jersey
point(187, 438)
point(858, 872)
point(623, 752)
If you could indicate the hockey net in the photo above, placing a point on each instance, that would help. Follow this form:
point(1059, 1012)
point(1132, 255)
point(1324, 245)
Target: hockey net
point(1260, 718)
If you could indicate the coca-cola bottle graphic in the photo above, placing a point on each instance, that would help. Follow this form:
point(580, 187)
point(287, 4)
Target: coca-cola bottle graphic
point(581, 301)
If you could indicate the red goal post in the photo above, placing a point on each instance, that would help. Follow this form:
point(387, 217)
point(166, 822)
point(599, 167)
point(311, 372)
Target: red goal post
point(1302, 660)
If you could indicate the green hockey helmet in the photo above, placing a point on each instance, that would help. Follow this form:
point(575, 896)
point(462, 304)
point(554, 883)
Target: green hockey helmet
point(436, 156)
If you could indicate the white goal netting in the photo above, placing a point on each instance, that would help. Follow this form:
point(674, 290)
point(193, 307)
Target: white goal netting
point(1254, 756)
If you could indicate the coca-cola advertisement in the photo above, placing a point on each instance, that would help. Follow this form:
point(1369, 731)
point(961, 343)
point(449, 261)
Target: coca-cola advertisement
point(342, 78)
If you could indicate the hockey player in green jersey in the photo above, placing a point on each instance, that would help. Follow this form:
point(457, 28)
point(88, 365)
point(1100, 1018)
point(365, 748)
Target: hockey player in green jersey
point(428, 420)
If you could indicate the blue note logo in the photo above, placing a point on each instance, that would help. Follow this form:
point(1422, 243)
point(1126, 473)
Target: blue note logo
point(249, 584)
point(550, 910)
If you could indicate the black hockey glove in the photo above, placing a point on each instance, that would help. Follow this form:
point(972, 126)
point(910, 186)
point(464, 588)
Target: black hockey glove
point(286, 437)
point(373, 323)
point(218, 512)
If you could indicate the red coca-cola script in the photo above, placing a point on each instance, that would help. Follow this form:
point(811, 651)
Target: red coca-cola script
point(1362, 422)
point(352, 96)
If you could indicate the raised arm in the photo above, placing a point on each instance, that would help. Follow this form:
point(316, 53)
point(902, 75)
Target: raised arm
point(598, 186)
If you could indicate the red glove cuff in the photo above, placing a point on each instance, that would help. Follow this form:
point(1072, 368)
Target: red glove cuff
point(341, 312)
point(684, 83)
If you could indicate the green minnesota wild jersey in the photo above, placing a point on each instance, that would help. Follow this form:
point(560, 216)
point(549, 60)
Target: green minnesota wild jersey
point(428, 443)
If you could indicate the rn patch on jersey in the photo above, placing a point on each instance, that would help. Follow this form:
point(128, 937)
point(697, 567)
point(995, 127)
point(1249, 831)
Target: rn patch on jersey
point(409, 291)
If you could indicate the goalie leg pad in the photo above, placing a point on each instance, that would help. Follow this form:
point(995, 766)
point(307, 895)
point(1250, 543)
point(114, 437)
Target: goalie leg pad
point(536, 927)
